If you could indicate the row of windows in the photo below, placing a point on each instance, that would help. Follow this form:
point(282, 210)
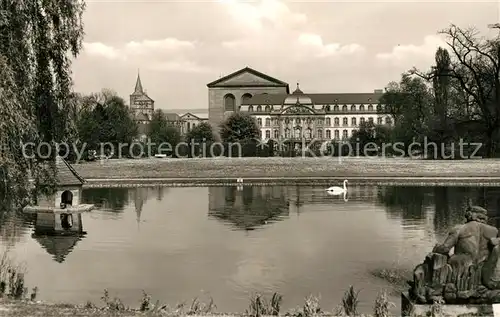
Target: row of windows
point(230, 105)
point(307, 133)
point(328, 121)
point(345, 108)
point(142, 106)
point(190, 126)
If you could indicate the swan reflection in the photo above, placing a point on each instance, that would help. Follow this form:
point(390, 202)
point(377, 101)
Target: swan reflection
point(344, 194)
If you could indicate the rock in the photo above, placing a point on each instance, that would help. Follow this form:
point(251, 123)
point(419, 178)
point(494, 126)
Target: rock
point(450, 288)
point(465, 294)
point(450, 297)
point(450, 292)
point(493, 296)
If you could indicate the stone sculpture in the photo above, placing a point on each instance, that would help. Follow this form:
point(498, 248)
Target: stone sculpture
point(471, 275)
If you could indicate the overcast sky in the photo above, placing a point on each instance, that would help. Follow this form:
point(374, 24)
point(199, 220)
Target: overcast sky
point(327, 46)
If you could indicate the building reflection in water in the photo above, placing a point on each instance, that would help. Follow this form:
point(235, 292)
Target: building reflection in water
point(58, 233)
point(249, 208)
point(446, 204)
point(139, 196)
point(254, 206)
point(58, 241)
point(109, 199)
point(160, 192)
point(300, 196)
point(435, 207)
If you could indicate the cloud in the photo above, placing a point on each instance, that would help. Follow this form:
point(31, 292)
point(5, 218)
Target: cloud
point(261, 16)
point(164, 54)
point(411, 53)
point(182, 66)
point(101, 50)
point(275, 32)
point(315, 41)
point(149, 46)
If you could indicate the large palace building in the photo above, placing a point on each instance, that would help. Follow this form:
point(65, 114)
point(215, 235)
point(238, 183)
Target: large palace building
point(297, 115)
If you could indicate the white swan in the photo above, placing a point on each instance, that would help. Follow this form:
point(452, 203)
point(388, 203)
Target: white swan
point(336, 190)
point(344, 195)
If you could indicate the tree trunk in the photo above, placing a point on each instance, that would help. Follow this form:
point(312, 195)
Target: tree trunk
point(490, 147)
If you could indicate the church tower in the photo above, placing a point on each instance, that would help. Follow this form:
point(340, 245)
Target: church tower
point(141, 107)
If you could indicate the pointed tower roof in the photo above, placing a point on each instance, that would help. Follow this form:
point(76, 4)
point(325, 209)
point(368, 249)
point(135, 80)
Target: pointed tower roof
point(138, 85)
point(298, 91)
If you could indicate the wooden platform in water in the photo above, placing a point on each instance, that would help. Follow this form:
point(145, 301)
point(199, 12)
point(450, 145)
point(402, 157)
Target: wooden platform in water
point(68, 210)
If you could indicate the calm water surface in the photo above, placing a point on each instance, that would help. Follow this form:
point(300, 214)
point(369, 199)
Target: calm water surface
point(179, 243)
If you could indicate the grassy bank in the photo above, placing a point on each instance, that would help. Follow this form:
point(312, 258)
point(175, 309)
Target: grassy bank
point(259, 305)
point(288, 168)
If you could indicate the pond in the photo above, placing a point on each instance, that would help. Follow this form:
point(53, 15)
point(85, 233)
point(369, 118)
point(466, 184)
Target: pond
point(225, 243)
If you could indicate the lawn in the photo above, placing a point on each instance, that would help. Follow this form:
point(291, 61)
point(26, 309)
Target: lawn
point(287, 167)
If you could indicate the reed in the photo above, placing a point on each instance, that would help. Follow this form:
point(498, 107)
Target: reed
point(382, 305)
point(350, 302)
point(260, 306)
point(12, 282)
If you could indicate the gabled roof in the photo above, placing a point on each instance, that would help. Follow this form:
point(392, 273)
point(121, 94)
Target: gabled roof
point(272, 80)
point(190, 114)
point(171, 116)
point(66, 174)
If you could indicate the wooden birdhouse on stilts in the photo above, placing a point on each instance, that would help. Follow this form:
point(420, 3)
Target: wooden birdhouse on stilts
point(60, 213)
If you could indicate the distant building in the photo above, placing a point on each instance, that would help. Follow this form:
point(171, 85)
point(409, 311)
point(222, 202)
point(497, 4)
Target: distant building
point(141, 107)
point(174, 120)
point(189, 120)
point(284, 115)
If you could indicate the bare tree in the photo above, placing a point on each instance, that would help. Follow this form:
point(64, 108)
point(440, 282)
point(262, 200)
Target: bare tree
point(475, 65)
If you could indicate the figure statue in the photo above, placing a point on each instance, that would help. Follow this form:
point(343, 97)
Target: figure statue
point(469, 240)
point(471, 274)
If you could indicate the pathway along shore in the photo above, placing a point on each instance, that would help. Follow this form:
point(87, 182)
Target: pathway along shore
point(289, 171)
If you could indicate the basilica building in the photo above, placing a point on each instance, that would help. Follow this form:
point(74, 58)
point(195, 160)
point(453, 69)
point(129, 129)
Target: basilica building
point(296, 115)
